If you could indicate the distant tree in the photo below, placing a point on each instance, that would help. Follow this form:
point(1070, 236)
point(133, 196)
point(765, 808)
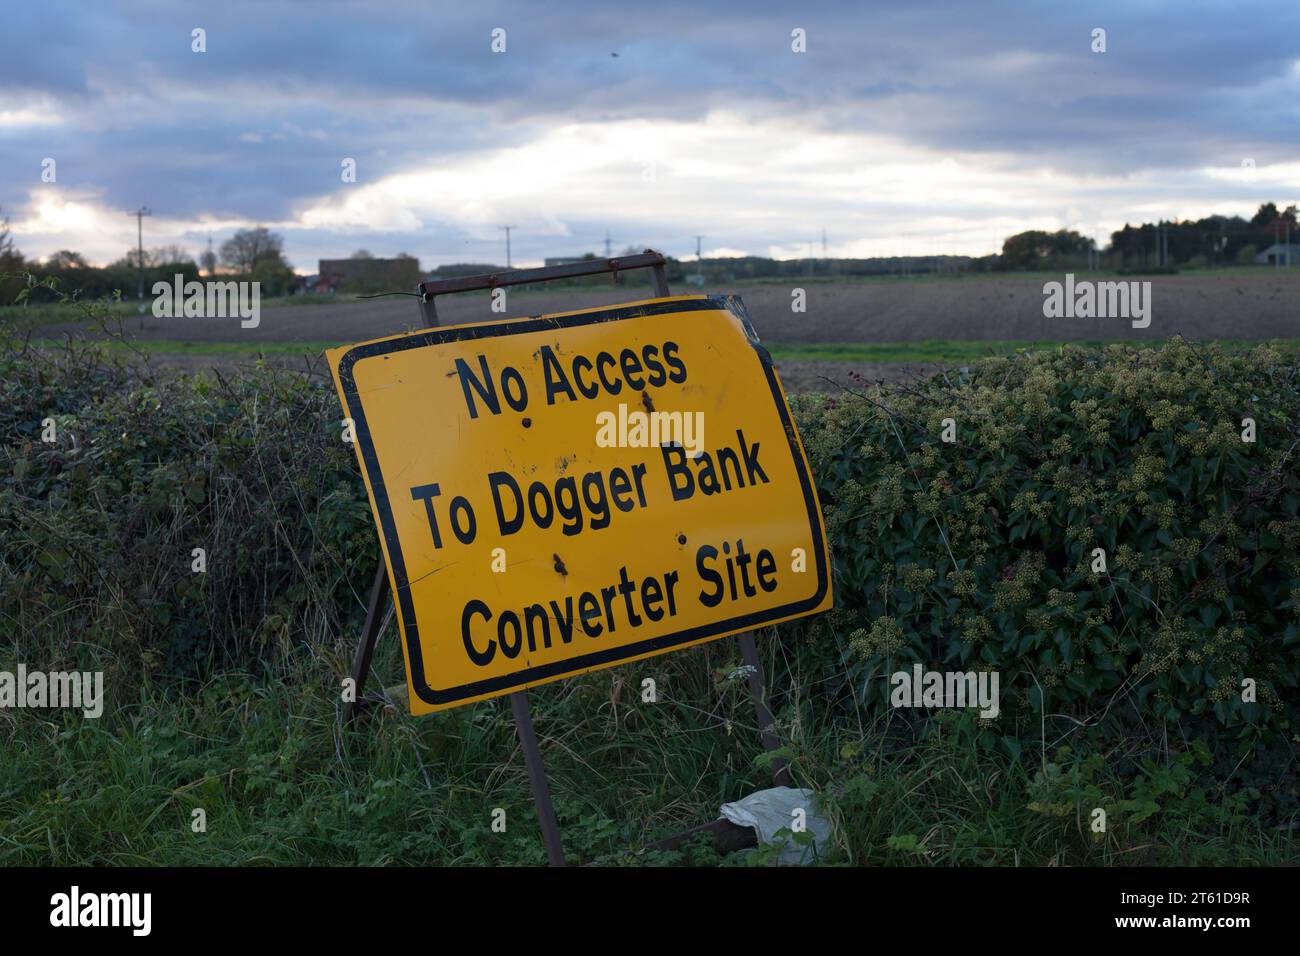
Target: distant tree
point(208, 261)
point(131, 260)
point(158, 256)
point(11, 262)
point(1246, 254)
point(6, 238)
point(1266, 215)
point(66, 259)
point(362, 254)
point(163, 255)
point(275, 276)
point(1036, 249)
point(249, 250)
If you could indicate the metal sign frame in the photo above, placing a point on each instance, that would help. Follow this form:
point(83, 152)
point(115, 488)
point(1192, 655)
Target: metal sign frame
point(725, 833)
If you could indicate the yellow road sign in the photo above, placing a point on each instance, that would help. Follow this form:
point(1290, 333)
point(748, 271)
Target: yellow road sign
point(569, 492)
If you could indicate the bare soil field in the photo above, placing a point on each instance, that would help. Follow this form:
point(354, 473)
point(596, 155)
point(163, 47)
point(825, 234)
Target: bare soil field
point(1260, 306)
point(797, 376)
point(998, 308)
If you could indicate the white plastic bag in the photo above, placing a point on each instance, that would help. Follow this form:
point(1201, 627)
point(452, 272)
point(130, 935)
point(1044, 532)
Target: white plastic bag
point(768, 811)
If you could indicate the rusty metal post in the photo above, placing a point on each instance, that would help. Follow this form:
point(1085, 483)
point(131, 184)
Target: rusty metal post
point(369, 638)
point(537, 777)
point(660, 280)
point(766, 722)
point(727, 837)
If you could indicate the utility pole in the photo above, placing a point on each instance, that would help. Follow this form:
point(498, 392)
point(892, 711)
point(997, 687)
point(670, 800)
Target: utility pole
point(139, 233)
point(698, 239)
point(606, 243)
point(507, 229)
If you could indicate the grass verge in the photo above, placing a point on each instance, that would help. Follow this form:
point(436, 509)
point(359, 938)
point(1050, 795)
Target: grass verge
point(280, 781)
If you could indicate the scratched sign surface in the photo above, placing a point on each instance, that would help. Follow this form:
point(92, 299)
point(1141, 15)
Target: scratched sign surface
point(569, 492)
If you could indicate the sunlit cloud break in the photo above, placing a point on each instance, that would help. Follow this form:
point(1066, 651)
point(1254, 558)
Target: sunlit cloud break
point(948, 130)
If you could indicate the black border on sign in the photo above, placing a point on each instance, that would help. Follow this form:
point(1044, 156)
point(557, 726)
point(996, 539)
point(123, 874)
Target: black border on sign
point(401, 590)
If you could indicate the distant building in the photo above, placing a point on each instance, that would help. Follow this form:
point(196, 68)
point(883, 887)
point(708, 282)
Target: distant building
point(368, 275)
point(1279, 254)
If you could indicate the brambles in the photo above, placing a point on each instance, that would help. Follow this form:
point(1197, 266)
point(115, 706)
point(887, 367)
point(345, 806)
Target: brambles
point(979, 554)
point(972, 555)
point(1103, 533)
point(100, 527)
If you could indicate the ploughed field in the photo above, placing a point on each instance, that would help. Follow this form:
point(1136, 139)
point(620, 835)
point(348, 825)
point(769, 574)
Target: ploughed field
point(1261, 305)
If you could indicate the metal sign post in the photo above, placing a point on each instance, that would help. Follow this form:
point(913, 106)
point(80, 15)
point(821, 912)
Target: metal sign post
point(380, 590)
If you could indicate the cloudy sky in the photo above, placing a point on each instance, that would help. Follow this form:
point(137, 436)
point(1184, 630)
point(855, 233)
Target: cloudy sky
point(905, 127)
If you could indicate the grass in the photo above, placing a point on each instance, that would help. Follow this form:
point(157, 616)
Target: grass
point(280, 781)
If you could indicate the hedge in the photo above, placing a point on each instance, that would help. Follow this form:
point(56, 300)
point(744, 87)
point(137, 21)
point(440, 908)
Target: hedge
point(971, 554)
point(980, 553)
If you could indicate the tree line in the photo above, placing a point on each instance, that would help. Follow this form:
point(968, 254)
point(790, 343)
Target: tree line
point(257, 254)
point(1192, 243)
point(254, 255)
